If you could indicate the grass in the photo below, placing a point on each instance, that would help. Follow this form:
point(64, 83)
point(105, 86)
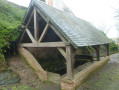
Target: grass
point(105, 79)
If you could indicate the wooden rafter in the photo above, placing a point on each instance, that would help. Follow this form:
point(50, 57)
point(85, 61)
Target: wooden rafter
point(26, 25)
point(48, 44)
point(29, 19)
point(62, 52)
point(56, 31)
point(30, 35)
point(52, 26)
point(41, 14)
point(43, 33)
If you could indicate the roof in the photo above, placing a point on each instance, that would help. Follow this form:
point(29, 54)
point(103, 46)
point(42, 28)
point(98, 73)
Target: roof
point(78, 32)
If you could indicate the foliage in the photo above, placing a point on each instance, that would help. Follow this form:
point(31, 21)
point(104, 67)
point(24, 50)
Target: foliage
point(113, 47)
point(11, 17)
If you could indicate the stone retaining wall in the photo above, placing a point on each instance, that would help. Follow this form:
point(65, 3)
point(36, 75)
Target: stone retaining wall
point(29, 58)
point(80, 77)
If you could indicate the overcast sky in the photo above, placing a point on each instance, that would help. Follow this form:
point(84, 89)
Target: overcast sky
point(98, 12)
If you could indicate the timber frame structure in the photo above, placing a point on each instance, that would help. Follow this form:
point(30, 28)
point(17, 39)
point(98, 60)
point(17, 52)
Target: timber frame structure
point(65, 44)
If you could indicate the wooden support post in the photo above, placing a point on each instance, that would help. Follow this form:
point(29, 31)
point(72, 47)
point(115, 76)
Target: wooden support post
point(98, 53)
point(36, 31)
point(107, 47)
point(97, 48)
point(70, 61)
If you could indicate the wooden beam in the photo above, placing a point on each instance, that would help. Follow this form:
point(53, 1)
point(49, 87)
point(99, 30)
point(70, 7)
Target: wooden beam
point(48, 44)
point(30, 35)
point(41, 14)
point(62, 52)
point(43, 33)
point(57, 32)
point(36, 32)
point(29, 18)
point(22, 36)
point(26, 25)
point(107, 48)
point(69, 60)
point(52, 26)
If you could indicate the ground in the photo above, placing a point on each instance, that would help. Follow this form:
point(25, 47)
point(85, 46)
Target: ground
point(29, 80)
point(107, 78)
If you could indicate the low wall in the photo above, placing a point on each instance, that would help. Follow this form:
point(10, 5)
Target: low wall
point(80, 77)
point(29, 58)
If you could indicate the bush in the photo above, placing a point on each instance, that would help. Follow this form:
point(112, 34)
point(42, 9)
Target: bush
point(113, 47)
point(10, 20)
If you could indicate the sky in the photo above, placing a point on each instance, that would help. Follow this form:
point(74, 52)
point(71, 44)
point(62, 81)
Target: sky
point(98, 12)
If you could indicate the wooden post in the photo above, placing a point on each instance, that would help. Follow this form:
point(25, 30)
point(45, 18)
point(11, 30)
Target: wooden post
point(36, 32)
point(98, 53)
point(97, 48)
point(69, 59)
point(107, 47)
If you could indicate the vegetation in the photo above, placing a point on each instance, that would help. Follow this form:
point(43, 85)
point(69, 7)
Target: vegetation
point(113, 47)
point(11, 17)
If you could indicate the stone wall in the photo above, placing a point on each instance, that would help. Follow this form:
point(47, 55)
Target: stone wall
point(32, 62)
point(80, 77)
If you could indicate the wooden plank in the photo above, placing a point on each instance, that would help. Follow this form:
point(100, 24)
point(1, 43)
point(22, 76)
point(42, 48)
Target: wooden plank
point(43, 33)
point(48, 44)
point(69, 59)
point(62, 52)
point(30, 35)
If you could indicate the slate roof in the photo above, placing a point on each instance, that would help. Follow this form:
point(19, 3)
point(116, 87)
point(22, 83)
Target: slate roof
point(78, 32)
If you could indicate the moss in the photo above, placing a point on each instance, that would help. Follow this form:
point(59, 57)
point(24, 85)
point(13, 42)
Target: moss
point(17, 87)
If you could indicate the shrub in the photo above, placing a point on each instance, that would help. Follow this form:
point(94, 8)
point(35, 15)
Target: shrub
point(113, 47)
point(10, 20)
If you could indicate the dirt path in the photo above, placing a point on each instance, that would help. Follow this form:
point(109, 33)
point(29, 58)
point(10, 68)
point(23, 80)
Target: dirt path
point(29, 80)
point(27, 75)
point(107, 78)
